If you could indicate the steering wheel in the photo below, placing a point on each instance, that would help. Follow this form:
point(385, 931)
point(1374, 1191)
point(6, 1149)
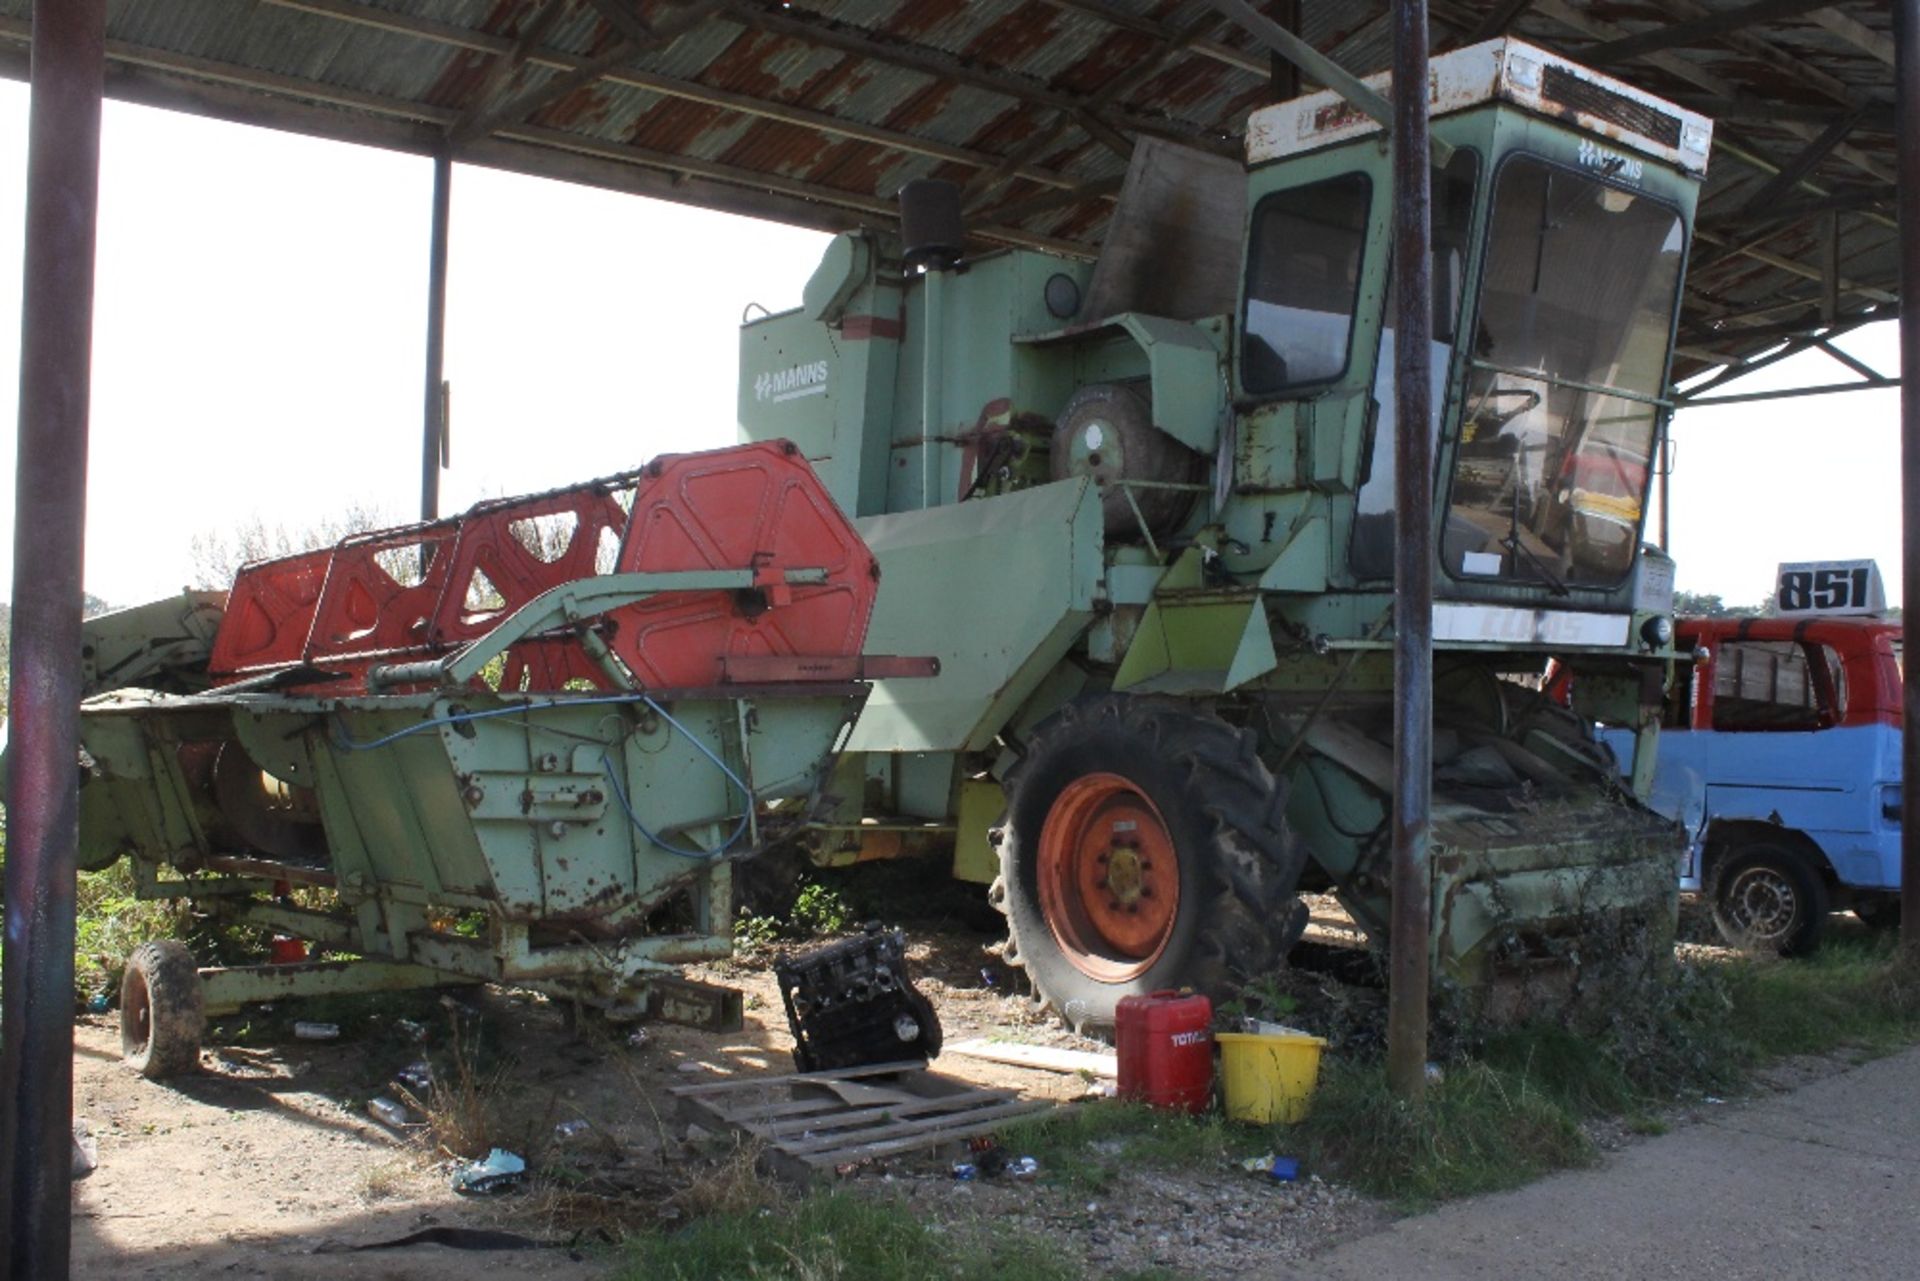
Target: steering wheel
point(1500, 418)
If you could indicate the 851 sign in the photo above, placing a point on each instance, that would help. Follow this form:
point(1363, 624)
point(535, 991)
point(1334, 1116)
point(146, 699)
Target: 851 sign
point(1830, 587)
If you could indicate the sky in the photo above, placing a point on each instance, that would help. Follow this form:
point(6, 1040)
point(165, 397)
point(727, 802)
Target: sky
point(260, 332)
point(259, 335)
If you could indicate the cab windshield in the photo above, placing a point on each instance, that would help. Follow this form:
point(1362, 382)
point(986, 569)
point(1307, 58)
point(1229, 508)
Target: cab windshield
point(1567, 367)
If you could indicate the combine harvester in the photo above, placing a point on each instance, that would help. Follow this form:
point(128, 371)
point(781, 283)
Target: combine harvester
point(1141, 514)
point(1142, 510)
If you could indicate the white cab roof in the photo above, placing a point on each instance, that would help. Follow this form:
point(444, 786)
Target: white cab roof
point(1504, 70)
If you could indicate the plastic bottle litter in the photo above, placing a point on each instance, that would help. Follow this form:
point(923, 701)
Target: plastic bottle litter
point(964, 1171)
point(388, 1112)
point(413, 1031)
point(1025, 1168)
point(1281, 1169)
point(501, 1171)
point(571, 1129)
point(97, 1003)
point(317, 1031)
point(417, 1077)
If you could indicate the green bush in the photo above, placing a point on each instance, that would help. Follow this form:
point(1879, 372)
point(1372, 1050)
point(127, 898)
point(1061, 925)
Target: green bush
point(820, 910)
point(109, 922)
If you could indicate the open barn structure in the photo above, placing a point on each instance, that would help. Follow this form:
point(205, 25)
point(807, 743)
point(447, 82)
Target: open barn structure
point(817, 113)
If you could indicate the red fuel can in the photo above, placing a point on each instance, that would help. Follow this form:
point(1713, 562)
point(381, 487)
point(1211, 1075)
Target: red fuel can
point(1164, 1042)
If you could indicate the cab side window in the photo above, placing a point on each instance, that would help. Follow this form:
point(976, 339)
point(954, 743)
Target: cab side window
point(1778, 685)
point(1303, 283)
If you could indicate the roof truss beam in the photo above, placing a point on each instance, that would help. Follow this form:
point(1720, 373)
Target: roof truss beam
point(828, 33)
point(1698, 30)
point(1498, 19)
point(1857, 34)
point(1112, 14)
point(1565, 14)
point(483, 42)
point(1802, 165)
point(531, 34)
point(984, 184)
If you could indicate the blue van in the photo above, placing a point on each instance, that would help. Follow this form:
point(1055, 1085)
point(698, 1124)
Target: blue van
point(1780, 750)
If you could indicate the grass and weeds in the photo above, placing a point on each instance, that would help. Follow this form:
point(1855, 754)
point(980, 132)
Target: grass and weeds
point(818, 910)
point(1522, 1101)
point(464, 1102)
point(1850, 993)
point(1521, 1104)
point(109, 922)
point(1508, 1105)
point(1479, 1129)
point(1091, 1146)
point(835, 1236)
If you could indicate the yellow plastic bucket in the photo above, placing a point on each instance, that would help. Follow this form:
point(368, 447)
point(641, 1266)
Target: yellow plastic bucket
point(1269, 1077)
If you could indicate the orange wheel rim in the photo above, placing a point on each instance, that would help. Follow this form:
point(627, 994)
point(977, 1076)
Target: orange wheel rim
point(1109, 877)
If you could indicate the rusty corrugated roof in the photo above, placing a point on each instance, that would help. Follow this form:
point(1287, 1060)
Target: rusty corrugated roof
point(817, 112)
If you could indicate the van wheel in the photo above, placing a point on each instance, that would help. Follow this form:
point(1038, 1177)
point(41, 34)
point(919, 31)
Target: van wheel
point(1768, 897)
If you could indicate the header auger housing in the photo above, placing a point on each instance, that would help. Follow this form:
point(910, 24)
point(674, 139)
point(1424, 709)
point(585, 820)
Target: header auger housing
point(561, 717)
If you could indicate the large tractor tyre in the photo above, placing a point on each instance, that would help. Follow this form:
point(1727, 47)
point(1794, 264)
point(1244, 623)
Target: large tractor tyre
point(1144, 847)
point(1769, 897)
point(161, 1010)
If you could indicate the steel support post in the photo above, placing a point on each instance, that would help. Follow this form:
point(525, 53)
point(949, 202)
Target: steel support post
point(43, 784)
point(434, 421)
point(1906, 26)
point(1413, 556)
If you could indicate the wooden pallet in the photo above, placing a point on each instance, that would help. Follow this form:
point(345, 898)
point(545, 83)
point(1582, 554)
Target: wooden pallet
point(815, 1121)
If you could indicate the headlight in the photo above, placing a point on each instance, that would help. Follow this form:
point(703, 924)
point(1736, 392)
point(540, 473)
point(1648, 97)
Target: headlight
point(1657, 631)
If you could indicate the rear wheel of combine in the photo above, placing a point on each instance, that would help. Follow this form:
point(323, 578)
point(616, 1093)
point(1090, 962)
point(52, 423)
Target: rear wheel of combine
point(1143, 848)
point(161, 1010)
point(1767, 896)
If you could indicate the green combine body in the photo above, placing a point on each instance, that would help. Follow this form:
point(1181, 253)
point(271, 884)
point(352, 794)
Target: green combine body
point(1142, 512)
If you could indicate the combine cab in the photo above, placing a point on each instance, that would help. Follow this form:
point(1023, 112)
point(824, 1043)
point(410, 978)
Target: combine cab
point(525, 744)
point(1142, 511)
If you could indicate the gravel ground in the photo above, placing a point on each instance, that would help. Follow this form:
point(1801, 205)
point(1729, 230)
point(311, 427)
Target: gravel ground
point(1204, 1223)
